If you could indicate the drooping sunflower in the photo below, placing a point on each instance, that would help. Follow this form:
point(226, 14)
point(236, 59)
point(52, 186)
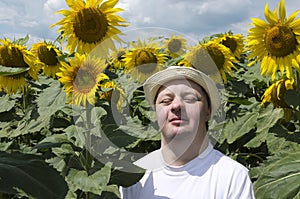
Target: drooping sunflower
point(276, 94)
point(89, 23)
point(143, 60)
point(16, 56)
point(212, 58)
point(82, 78)
point(117, 58)
point(110, 91)
point(175, 45)
point(275, 42)
point(47, 55)
point(235, 42)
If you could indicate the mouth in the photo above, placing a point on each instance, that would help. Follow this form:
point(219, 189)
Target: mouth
point(178, 120)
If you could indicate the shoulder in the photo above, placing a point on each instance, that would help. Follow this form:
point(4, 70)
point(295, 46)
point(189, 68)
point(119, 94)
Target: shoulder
point(232, 176)
point(227, 163)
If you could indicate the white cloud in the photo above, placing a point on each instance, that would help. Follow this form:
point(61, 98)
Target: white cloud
point(7, 15)
point(197, 18)
point(52, 6)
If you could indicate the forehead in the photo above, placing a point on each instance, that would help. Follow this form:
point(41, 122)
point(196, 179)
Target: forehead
point(174, 85)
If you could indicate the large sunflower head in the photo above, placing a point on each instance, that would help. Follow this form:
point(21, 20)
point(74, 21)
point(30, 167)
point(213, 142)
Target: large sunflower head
point(235, 42)
point(89, 23)
point(175, 45)
point(275, 42)
point(143, 60)
point(211, 58)
point(81, 78)
point(16, 57)
point(47, 55)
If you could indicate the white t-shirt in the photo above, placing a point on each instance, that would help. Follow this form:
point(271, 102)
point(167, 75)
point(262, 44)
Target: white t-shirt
point(211, 175)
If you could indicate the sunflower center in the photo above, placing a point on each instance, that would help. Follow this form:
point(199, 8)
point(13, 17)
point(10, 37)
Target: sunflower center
point(146, 61)
point(47, 56)
point(230, 43)
point(12, 57)
point(90, 25)
point(280, 41)
point(217, 56)
point(84, 81)
point(174, 45)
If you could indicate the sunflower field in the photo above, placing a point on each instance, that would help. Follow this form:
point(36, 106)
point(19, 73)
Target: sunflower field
point(73, 116)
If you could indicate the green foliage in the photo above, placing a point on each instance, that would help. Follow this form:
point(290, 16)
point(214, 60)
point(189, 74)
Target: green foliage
point(50, 149)
point(5, 71)
point(31, 174)
point(260, 137)
point(280, 172)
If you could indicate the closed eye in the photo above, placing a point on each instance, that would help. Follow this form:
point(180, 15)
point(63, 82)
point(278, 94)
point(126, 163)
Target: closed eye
point(165, 101)
point(190, 98)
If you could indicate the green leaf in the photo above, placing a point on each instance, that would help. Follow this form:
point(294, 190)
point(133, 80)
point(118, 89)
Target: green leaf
point(95, 183)
point(235, 130)
point(32, 175)
point(78, 133)
point(22, 41)
point(268, 118)
point(280, 138)
point(7, 71)
point(280, 178)
point(257, 140)
point(6, 104)
point(51, 100)
point(292, 98)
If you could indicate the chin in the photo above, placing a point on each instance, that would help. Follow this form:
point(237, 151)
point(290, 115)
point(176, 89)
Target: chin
point(179, 132)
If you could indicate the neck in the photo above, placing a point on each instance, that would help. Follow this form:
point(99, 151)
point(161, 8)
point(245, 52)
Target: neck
point(180, 152)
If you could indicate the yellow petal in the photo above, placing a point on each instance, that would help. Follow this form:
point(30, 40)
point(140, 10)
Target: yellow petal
point(282, 12)
point(295, 24)
point(292, 16)
point(260, 23)
point(270, 17)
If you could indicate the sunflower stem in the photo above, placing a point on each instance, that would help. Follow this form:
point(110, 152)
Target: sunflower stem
point(297, 81)
point(25, 99)
point(88, 156)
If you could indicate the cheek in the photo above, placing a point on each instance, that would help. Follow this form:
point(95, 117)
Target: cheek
point(161, 116)
point(196, 112)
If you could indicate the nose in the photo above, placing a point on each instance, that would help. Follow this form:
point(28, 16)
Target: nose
point(176, 106)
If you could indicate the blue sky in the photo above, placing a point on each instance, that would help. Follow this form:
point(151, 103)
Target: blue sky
point(193, 18)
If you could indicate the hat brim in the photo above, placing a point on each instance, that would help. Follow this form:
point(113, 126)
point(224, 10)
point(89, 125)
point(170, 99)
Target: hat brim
point(154, 82)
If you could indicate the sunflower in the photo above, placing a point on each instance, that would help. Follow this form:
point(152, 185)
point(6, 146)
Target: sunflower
point(276, 94)
point(110, 91)
point(235, 42)
point(206, 56)
point(175, 46)
point(117, 58)
point(82, 78)
point(275, 42)
point(89, 23)
point(16, 56)
point(47, 55)
point(143, 60)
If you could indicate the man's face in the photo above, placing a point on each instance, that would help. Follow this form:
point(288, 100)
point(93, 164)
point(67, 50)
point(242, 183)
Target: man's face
point(181, 109)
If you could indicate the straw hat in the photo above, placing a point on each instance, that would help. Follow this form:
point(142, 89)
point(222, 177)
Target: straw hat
point(154, 82)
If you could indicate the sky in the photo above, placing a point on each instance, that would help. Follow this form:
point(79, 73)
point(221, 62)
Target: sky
point(194, 19)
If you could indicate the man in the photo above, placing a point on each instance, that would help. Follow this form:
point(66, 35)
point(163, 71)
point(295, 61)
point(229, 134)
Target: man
point(186, 165)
